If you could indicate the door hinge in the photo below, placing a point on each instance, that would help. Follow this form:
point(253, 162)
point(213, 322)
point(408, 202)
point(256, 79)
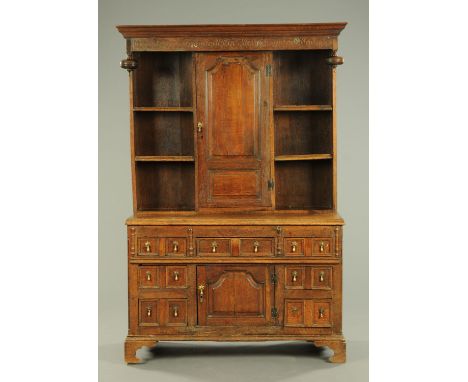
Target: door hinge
point(268, 70)
point(271, 184)
point(274, 278)
point(274, 313)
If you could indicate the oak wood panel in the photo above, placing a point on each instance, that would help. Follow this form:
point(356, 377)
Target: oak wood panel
point(233, 149)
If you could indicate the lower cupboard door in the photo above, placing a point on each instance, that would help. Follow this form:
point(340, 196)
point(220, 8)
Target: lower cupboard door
point(234, 295)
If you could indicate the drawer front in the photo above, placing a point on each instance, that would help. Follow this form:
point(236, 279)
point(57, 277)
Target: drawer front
point(156, 241)
point(214, 247)
point(307, 246)
point(322, 246)
point(308, 277)
point(163, 276)
point(256, 247)
point(162, 312)
point(307, 313)
point(294, 246)
point(148, 246)
point(176, 246)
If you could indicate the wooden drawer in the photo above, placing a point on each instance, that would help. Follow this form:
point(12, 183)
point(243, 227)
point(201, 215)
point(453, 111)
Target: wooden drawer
point(256, 247)
point(214, 247)
point(294, 246)
point(308, 277)
point(162, 312)
point(307, 313)
point(170, 276)
point(156, 241)
point(322, 246)
point(306, 246)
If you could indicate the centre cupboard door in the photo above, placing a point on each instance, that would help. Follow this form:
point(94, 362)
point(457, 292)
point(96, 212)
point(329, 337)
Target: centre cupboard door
point(233, 121)
point(235, 295)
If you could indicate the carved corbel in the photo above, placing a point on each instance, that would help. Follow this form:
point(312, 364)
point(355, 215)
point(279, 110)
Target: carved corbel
point(129, 63)
point(335, 60)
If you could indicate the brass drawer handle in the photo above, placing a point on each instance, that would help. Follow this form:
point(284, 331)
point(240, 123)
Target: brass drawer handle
point(294, 246)
point(294, 276)
point(321, 312)
point(321, 276)
point(176, 276)
point(201, 288)
point(214, 245)
point(175, 311)
point(256, 245)
point(148, 246)
point(294, 309)
point(199, 127)
point(149, 310)
point(175, 246)
point(148, 276)
point(322, 246)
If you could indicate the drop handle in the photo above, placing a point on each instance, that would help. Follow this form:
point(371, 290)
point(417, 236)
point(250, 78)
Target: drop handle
point(148, 246)
point(175, 246)
point(214, 246)
point(322, 246)
point(201, 292)
point(321, 276)
point(148, 276)
point(294, 246)
point(176, 276)
point(149, 311)
point(175, 311)
point(321, 312)
point(294, 276)
point(200, 127)
point(256, 245)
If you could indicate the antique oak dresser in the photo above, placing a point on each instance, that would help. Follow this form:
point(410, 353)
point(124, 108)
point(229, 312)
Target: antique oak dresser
point(235, 234)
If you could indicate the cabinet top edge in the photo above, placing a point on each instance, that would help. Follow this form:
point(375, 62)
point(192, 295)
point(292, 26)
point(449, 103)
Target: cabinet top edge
point(230, 30)
point(319, 218)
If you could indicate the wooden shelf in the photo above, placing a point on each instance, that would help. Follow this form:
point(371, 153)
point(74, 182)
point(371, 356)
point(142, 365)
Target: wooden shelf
point(160, 158)
point(302, 108)
point(281, 158)
point(170, 109)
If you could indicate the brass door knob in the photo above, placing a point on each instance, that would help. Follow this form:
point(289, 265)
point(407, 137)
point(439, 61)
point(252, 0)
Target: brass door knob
point(201, 292)
point(214, 245)
point(256, 246)
point(175, 246)
point(294, 246)
point(294, 276)
point(148, 276)
point(148, 246)
point(176, 276)
point(321, 276)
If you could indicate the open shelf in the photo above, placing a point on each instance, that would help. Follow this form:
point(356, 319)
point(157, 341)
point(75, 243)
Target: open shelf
point(163, 134)
point(282, 158)
point(303, 133)
point(304, 185)
point(303, 108)
point(302, 78)
point(169, 109)
point(163, 79)
point(165, 186)
point(149, 158)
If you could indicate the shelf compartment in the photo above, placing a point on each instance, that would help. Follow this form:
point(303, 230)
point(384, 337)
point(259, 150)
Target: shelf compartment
point(163, 134)
point(163, 79)
point(168, 109)
point(304, 185)
point(283, 158)
point(302, 78)
point(302, 133)
point(303, 108)
point(165, 186)
point(149, 158)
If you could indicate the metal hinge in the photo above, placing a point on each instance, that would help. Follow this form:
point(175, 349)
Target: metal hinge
point(271, 184)
point(268, 70)
point(274, 278)
point(274, 312)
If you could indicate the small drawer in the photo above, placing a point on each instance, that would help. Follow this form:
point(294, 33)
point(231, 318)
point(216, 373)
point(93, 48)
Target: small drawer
point(149, 312)
point(294, 277)
point(307, 313)
point(176, 246)
point(322, 247)
point(148, 246)
point(177, 312)
point(294, 246)
point(321, 277)
point(256, 247)
point(176, 276)
point(148, 277)
point(214, 247)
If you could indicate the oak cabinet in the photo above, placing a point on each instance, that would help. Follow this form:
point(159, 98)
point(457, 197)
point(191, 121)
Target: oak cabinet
point(235, 234)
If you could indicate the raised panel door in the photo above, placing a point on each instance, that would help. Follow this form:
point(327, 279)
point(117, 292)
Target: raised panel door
point(233, 123)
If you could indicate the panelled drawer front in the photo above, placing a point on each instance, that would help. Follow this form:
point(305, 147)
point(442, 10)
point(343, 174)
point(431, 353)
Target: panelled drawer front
point(256, 247)
point(176, 246)
point(294, 246)
point(170, 276)
point(308, 277)
point(307, 313)
point(162, 312)
point(317, 241)
point(214, 247)
point(156, 241)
